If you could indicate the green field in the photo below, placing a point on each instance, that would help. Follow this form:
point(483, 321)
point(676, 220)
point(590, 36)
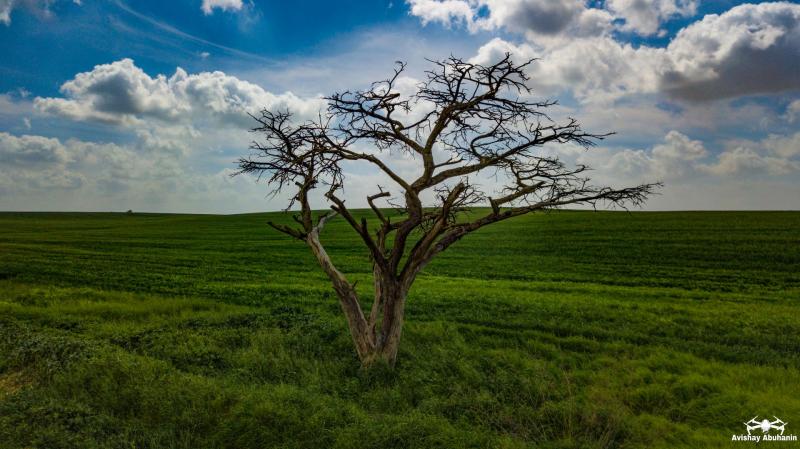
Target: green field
point(560, 330)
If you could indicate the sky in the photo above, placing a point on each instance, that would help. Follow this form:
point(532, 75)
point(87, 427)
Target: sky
point(114, 105)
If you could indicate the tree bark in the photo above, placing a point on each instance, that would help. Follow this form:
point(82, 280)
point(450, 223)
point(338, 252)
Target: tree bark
point(385, 324)
point(394, 303)
point(377, 337)
point(363, 336)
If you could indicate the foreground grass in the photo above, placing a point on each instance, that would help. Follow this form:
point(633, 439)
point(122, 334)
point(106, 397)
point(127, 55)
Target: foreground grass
point(565, 330)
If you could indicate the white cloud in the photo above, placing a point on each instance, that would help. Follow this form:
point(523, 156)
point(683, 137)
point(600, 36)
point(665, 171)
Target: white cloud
point(14, 110)
point(118, 92)
point(680, 159)
point(678, 146)
point(31, 163)
point(122, 93)
point(181, 130)
point(544, 18)
point(750, 49)
point(41, 173)
point(445, 12)
point(747, 160)
point(536, 16)
point(30, 151)
point(783, 146)
point(747, 50)
point(596, 69)
point(793, 111)
point(208, 6)
point(646, 16)
point(669, 160)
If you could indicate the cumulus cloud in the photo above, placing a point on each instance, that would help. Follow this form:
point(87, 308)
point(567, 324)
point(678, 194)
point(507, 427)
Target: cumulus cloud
point(747, 160)
point(781, 146)
point(180, 130)
point(208, 6)
point(594, 70)
point(678, 146)
point(680, 158)
point(445, 12)
point(30, 165)
point(14, 106)
point(750, 49)
point(39, 152)
point(533, 17)
point(118, 92)
point(44, 173)
point(542, 18)
point(35, 163)
point(671, 159)
point(646, 16)
point(122, 93)
point(30, 151)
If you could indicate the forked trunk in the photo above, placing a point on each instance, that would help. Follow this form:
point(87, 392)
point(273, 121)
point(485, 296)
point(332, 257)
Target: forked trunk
point(375, 338)
point(387, 324)
point(363, 336)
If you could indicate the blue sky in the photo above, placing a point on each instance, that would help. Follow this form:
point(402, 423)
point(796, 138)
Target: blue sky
point(112, 105)
point(160, 36)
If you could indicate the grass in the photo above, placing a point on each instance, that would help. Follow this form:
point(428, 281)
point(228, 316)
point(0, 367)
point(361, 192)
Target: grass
point(561, 330)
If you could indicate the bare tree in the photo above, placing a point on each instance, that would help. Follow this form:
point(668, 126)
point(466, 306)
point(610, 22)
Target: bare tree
point(481, 118)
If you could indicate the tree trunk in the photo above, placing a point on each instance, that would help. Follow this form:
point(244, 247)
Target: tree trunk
point(363, 335)
point(394, 303)
point(372, 343)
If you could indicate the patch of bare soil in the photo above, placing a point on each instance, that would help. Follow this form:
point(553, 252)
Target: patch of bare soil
point(12, 382)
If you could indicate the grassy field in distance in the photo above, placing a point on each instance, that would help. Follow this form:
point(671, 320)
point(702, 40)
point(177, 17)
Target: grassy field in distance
point(560, 330)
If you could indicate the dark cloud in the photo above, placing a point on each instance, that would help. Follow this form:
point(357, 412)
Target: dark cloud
point(542, 16)
point(745, 70)
point(751, 49)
